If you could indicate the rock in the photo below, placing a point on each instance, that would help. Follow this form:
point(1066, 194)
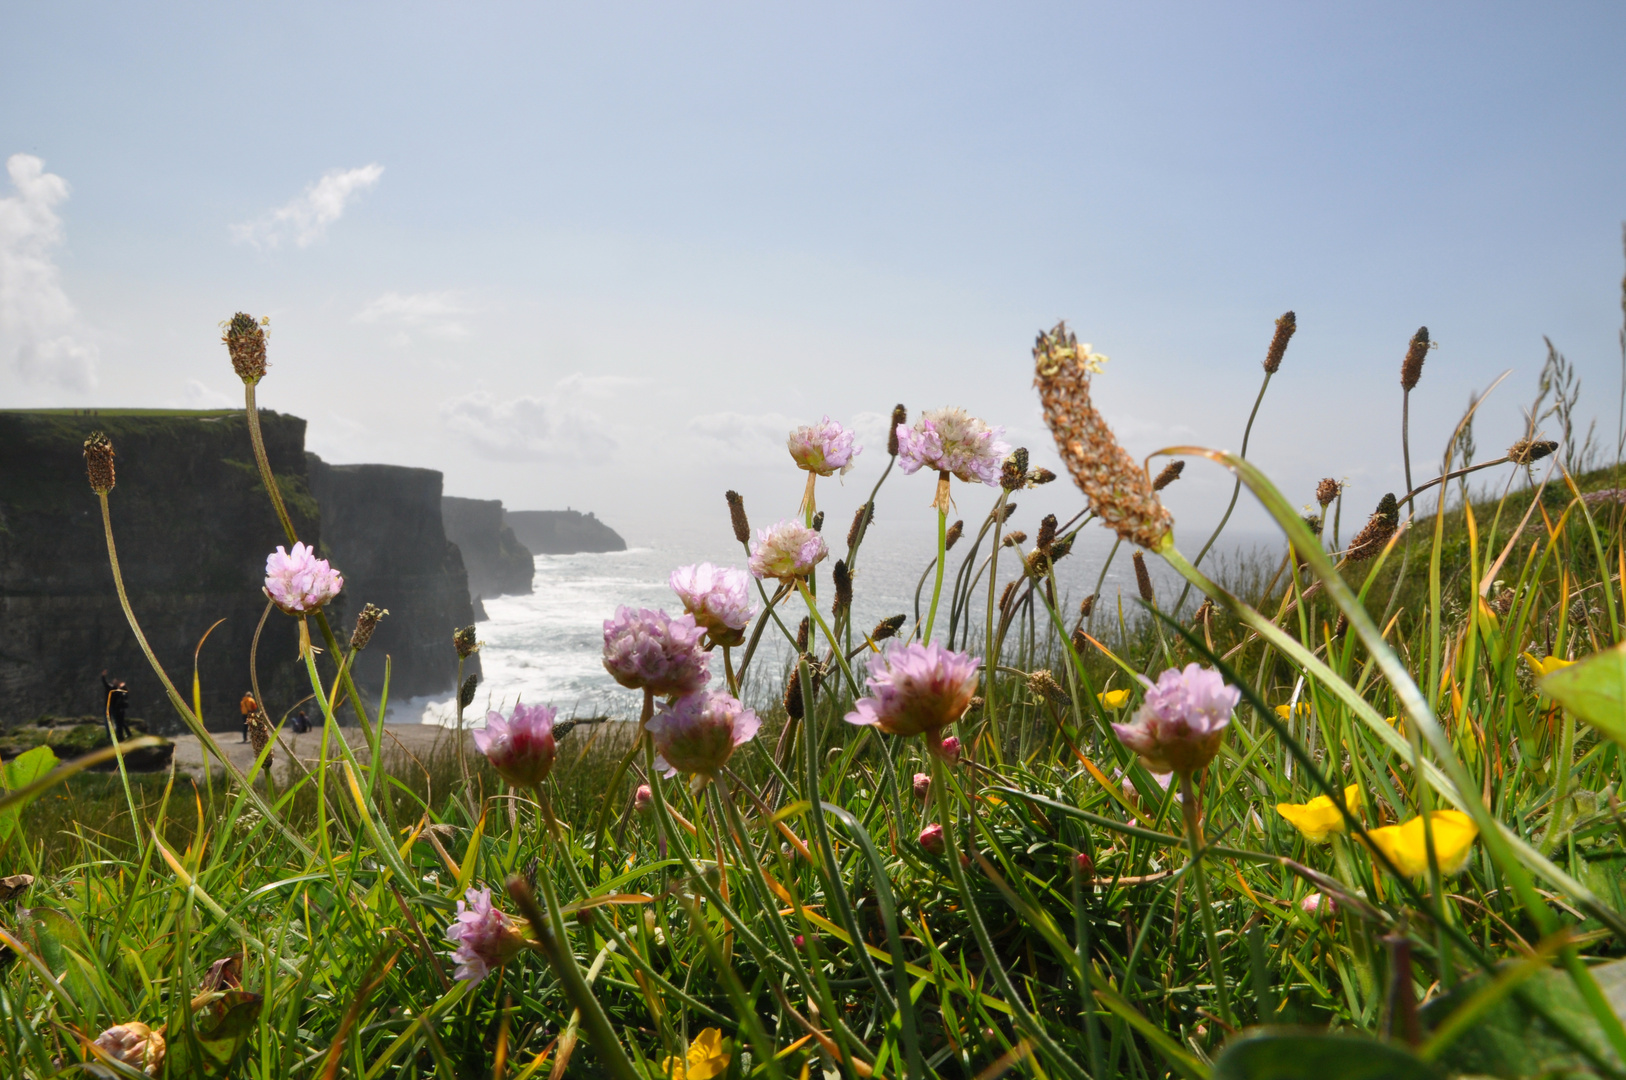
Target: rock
point(382, 529)
point(72, 737)
point(563, 532)
point(193, 527)
point(497, 563)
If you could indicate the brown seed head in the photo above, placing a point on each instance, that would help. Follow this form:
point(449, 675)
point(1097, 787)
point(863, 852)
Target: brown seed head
point(793, 694)
point(463, 640)
point(1041, 475)
point(1079, 641)
point(1341, 627)
point(259, 734)
point(1047, 533)
point(1313, 523)
point(1171, 472)
point(1375, 535)
point(1285, 326)
point(801, 635)
point(1013, 474)
point(99, 462)
point(736, 515)
point(1119, 490)
point(1010, 508)
point(366, 623)
point(1205, 614)
point(1043, 685)
point(1523, 452)
point(1326, 491)
point(1036, 564)
point(1063, 547)
point(844, 586)
point(900, 417)
point(861, 520)
point(1015, 537)
point(818, 521)
point(465, 695)
point(1411, 369)
point(1087, 605)
point(887, 627)
point(1143, 579)
point(1005, 597)
point(953, 535)
point(245, 341)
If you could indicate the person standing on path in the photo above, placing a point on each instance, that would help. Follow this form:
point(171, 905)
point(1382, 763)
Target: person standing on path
point(249, 707)
point(116, 698)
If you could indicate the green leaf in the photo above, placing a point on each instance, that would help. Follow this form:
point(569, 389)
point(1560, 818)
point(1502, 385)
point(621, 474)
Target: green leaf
point(1594, 689)
point(24, 769)
point(1543, 1028)
point(222, 1025)
point(1291, 1054)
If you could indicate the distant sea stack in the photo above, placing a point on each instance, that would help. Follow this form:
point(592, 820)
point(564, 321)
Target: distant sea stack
point(497, 563)
point(563, 532)
point(193, 527)
point(382, 528)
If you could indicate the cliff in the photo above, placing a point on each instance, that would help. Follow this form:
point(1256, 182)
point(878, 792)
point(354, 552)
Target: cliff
point(563, 532)
point(496, 561)
point(381, 527)
point(193, 527)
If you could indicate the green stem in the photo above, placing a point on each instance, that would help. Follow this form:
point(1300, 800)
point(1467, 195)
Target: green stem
point(1191, 811)
point(942, 552)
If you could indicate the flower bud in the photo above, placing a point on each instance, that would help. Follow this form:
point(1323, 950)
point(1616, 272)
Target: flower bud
point(1318, 906)
point(134, 1044)
point(643, 798)
point(799, 941)
point(949, 750)
point(1084, 867)
point(99, 462)
point(922, 786)
point(931, 838)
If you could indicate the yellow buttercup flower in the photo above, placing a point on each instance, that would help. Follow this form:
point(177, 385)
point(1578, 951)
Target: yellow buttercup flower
point(1286, 712)
point(1406, 846)
point(706, 1058)
point(1319, 818)
point(1547, 665)
point(1113, 699)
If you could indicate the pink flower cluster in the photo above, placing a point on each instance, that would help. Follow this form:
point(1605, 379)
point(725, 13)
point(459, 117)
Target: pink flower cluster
point(298, 582)
point(520, 747)
point(717, 597)
point(823, 448)
point(919, 688)
point(953, 441)
point(651, 650)
point(698, 733)
point(1179, 726)
point(485, 937)
point(787, 551)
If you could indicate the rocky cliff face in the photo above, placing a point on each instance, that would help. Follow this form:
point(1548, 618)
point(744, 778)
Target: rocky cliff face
point(381, 527)
point(563, 532)
point(497, 563)
point(193, 527)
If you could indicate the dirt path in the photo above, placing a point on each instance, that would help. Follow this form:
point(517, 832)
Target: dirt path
point(415, 739)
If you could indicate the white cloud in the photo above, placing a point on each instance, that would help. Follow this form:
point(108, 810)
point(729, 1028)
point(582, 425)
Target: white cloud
point(555, 426)
point(305, 220)
point(198, 395)
point(34, 309)
point(437, 314)
point(750, 435)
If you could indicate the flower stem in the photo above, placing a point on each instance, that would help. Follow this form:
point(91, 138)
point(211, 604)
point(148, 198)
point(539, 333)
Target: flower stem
point(990, 653)
point(1192, 812)
point(937, 589)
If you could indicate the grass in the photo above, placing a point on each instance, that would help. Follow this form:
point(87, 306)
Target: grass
point(324, 899)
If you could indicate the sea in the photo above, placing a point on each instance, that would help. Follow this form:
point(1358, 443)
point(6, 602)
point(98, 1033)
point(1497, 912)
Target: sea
point(546, 647)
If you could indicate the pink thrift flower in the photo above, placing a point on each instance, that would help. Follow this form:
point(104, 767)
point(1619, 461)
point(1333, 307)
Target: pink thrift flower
point(949, 750)
point(951, 440)
point(698, 733)
point(787, 551)
point(919, 688)
point(485, 937)
point(133, 1044)
point(719, 599)
point(922, 785)
point(298, 582)
point(931, 838)
point(521, 747)
point(1179, 726)
point(643, 798)
point(823, 448)
point(1085, 867)
point(651, 650)
point(1318, 906)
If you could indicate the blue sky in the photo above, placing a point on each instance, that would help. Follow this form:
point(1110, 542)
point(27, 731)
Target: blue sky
point(603, 256)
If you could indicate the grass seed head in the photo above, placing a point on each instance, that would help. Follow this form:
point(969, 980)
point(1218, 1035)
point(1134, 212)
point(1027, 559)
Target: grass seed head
point(99, 462)
point(1326, 491)
point(900, 417)
point(1143, 579)
point(1375, 535)
point(245, 341)
point(1411, 369)
point(1171, 472)
point(887, 627)
point(736, 516)
point(463, 640)
point(1013, 474)
point(844, 587)
point(953, 535)
point(366, 623)
point(1523, 452)
point(1285, 328)
point(465, 694)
